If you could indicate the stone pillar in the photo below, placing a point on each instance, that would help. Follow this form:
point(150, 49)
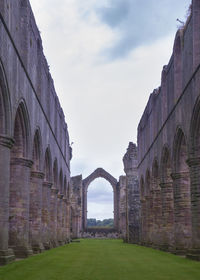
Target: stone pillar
point(36, 211)
point(143, 237)
point(147, 220)
point(53, 216)
point(182, 212)
point(68, 222)
point(151, 218)
point(19, 207)
point(6, 254)
point(64, 220)
point(157, 218)
point(132, 194)
point(194, 164)
point(59, 219)
point(122, 206)
point(46, 230)
point(76, 201)
point(167, 216)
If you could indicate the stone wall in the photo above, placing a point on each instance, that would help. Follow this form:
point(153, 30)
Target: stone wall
point(34, 141)
point(168, 149)
point(132, 195)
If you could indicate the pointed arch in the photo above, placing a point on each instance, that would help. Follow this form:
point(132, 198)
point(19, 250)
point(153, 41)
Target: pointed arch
point(147, 183)
point(55, 173)
point(100, 172)
point(195, 131)
point(48, 166)
point(37, 150)
point(166, 167)
point(21, 132)
point(5, 105)
point(181, 185)
point(180, 151)
point(65, 186)
point(61, 181)
point(155, 169)
point(142, 186)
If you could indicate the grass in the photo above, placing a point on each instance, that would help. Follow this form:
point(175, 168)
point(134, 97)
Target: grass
point(102, 260)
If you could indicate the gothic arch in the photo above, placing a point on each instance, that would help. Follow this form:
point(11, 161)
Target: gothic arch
point(5, 106)
point(61, 181)
point(181, 186)
point(195, 131)
point(155, 168)
point(194, 164)
point(21, 148)
point(37, 151)
point(65, 186)
point(147, 186)
point(180, 151)
point(47, 166)
point(166, 167)
point(142, 187)
point(55, 173)
point(100, 173)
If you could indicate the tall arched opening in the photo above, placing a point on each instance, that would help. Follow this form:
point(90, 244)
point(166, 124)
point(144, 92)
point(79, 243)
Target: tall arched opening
point(101, 173)
point(100, 204)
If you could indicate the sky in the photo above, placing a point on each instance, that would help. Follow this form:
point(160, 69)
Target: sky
point(106, 57)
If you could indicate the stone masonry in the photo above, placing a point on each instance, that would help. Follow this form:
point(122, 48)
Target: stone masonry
point(169, 149)
point(156, 202)
point(34, 143)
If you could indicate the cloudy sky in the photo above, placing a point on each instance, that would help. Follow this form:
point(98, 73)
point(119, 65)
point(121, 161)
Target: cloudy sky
point(106, 57)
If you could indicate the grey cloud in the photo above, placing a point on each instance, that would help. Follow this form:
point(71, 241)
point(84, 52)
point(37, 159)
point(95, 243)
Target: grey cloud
point(115, 12)
point(139, 22)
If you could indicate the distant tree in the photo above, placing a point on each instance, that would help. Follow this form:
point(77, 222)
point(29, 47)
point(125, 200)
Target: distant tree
point(99, 223)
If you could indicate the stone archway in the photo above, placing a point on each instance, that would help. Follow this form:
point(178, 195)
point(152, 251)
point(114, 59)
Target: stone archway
point(101, 173)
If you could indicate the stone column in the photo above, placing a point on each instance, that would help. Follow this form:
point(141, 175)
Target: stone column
point(182, 212)
point(59, 219)
point(36, 211)
point(132, 194)
point(122, 206)
point(151, 217)
point(46, 230)
point(194, 164)
point(53, 216)
point(19, 206)
point(64, 220)
point(68, 222)
point(147, 220)
point(6, 254)
point(167, 216)
point(157, 218)
point(143, 221)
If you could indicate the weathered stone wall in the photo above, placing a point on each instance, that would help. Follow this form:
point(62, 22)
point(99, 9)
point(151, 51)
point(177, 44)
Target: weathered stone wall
point(126, 202)
point(168, 148)
point(34, 141)
point(76, 199)
point(132, 195)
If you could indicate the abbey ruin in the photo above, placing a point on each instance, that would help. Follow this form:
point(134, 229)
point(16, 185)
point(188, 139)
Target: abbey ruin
point(157, 202)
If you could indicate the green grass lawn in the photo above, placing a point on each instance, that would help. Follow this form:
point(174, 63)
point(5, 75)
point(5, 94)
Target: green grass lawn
point(102, 260)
